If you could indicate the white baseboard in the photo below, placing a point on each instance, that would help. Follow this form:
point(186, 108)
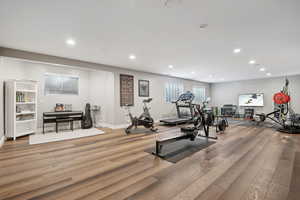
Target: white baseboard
point(112, 126)
point(2, 140)
point(120, 126)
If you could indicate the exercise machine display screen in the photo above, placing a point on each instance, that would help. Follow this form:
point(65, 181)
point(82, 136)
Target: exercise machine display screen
point(251, 100)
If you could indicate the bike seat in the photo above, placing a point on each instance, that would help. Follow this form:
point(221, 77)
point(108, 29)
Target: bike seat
point(188, 129)
point(147, 100)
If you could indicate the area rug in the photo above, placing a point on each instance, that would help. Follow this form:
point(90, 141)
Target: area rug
point(65, 135)
point(176, 151)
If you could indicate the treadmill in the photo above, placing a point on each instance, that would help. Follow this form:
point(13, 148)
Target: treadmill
point(184, 101)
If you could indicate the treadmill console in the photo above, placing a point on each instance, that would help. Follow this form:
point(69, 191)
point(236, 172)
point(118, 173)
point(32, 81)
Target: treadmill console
point(184, 101)
point(186, 97)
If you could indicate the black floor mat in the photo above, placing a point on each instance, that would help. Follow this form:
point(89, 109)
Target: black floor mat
point(181, 149)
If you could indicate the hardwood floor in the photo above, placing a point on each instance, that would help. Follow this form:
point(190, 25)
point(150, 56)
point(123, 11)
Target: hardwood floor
point(245, 163)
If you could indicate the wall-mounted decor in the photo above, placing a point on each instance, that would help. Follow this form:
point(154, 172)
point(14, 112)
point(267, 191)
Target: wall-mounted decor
point(126, 90)
point(143, 88)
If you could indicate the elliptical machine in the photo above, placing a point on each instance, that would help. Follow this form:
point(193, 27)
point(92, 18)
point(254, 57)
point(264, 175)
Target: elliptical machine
point(144, 119)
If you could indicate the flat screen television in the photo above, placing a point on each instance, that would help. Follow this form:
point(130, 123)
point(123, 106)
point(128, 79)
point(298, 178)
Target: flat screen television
point(251, 100)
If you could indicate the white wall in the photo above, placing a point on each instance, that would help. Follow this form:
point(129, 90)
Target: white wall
point(1, 101)
point(98, 87)
point(227, 93)
point(91, 89)
point(159, 108)
point(101, 92)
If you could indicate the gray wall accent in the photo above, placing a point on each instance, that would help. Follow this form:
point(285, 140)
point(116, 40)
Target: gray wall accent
point(227, 93)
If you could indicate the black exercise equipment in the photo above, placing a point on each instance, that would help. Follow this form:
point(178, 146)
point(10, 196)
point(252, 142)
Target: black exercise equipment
point(87, 121)
point(144, 119)
point(249, 114)
point(160, 143)
point(184, 101)
point(203, 120)
point(229, 110)
point(283, 114)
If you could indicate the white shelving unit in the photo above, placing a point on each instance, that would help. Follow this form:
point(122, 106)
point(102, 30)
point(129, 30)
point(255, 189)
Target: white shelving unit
point(20, 108)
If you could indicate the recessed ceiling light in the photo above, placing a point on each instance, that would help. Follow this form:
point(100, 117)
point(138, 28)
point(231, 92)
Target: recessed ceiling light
point(210, 76)
point(193, 72)
point(71, 42)
point(262, 69)
point(252, 62)
point(171, 66)
point(269, 74)
point(132, 57)
point(238, 50)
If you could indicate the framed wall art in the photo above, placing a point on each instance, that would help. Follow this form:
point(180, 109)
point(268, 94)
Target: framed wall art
point(143, 88)
point(126, 90)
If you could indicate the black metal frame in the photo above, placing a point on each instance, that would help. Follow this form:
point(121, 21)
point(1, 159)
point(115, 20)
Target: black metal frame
point(291, 129)
point(159, 143)
point(181, 102)
point(60, 117)
point(192, 132)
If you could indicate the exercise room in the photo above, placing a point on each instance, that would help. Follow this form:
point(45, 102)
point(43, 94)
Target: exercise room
point(149, 100)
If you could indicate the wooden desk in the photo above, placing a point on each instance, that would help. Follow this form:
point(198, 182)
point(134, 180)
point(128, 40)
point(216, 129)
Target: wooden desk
point(64, 116)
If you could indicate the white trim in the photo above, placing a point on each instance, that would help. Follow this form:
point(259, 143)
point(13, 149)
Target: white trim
point(120, 126)
point(112, 126)
point(2, 140)
point(61, 74)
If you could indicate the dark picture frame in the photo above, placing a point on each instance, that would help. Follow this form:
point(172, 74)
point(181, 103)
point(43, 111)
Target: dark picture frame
point(144, 87)
point(126, 90)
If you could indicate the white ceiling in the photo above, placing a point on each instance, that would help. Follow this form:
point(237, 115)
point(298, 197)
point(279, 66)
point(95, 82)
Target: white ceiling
point(107, 31)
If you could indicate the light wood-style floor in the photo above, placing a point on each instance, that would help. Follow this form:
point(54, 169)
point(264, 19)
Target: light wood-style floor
point(245, 163)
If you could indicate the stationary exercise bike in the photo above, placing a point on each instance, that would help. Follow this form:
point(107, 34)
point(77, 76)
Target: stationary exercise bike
point(144, 119)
